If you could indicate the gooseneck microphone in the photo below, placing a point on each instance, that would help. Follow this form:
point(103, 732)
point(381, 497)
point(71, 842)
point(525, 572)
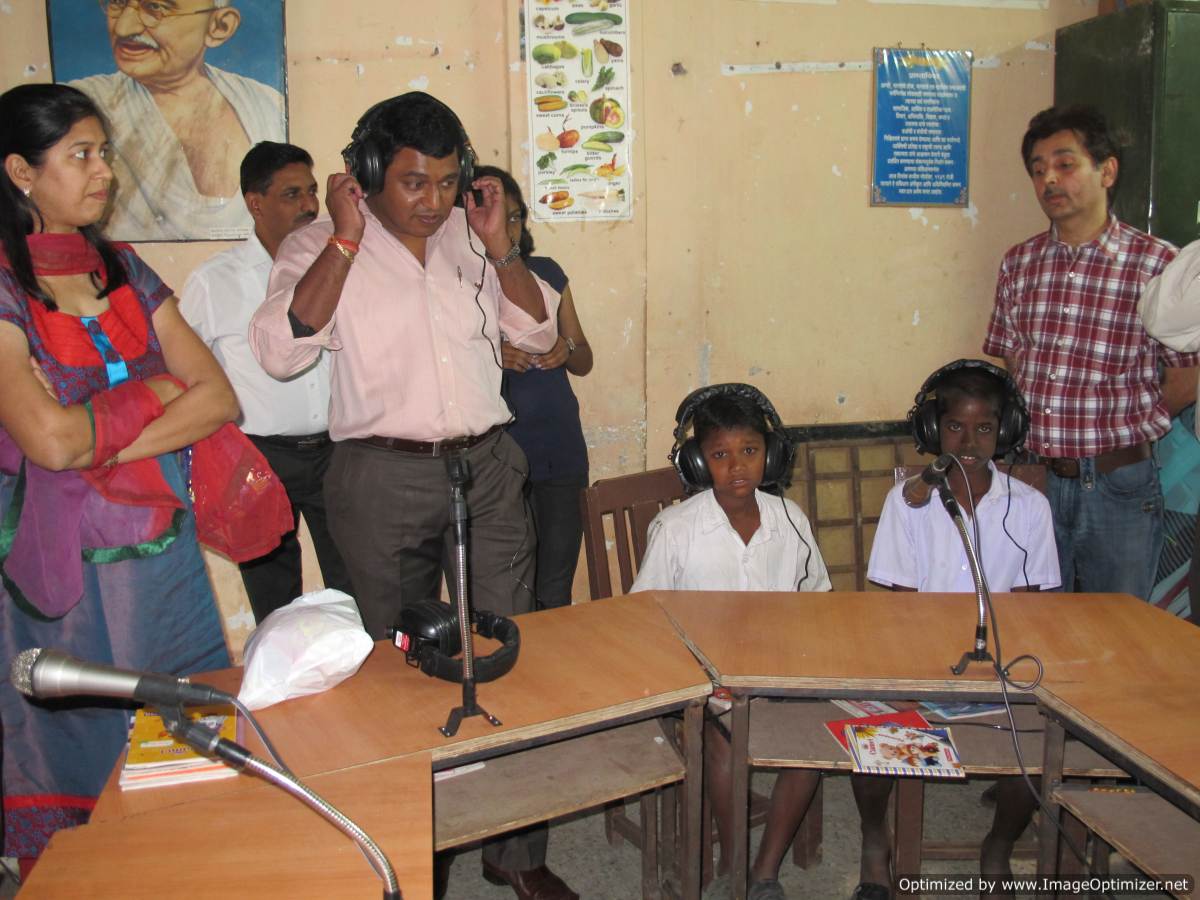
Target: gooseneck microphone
point(917, 491)
point(51, 673)
point(936, 472)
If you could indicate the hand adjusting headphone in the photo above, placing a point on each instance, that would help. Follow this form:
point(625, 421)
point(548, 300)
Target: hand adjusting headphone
point(688, 459)
point(428, 634)
point(366, 155)
point(1014, 417)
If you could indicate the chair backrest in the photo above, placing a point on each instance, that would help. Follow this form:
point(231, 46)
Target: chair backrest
point(633, 501)
point(1032, 474)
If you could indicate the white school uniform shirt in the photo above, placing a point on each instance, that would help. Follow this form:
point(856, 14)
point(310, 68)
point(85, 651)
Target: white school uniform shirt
point(692, 547)
point(921, 548)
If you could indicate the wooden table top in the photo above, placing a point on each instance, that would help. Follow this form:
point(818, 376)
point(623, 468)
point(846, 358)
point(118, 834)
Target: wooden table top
point(579, 668)
point(257, 842)
point(1154, 728)
point(898, 641)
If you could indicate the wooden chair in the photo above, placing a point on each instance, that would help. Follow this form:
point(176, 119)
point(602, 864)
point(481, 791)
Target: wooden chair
point(632, 502)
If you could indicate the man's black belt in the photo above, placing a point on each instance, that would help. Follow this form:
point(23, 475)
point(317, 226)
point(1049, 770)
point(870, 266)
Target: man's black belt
point(295, 441)
point(428, 448)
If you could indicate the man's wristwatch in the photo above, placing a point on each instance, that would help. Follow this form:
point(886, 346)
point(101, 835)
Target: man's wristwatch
point(570, 345)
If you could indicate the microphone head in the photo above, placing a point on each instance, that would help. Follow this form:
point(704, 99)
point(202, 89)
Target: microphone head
point(943, 463)
point(22, 670)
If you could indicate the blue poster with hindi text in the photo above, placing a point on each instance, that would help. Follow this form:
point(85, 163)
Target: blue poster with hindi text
point(922, 127)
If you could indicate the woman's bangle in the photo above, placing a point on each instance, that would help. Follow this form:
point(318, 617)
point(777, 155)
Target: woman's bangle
point(508, 258)
point(347, 248)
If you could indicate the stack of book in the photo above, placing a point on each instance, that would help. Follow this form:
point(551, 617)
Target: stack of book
point(900, 742)
point(156, 759)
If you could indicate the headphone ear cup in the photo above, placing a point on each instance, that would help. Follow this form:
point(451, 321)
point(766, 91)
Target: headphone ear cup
point(777, 459)
point(363, 157)
point(1014, 423)
point(924, 417)
point(689, 462)
point(466, 166)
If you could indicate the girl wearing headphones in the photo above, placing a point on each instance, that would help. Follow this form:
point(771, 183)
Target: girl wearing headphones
point(733, 536)
point(973, 411)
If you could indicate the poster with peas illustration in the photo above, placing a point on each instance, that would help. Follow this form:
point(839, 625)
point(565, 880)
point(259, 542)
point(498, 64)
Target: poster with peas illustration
point(579, 90)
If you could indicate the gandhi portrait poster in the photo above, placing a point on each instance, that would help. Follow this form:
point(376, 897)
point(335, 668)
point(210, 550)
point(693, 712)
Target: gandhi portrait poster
point(187, 87)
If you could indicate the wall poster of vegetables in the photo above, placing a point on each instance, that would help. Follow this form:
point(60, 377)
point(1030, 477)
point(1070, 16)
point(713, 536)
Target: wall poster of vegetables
point(579, 89)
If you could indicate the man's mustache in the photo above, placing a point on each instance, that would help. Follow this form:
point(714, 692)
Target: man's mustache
point(141, 38)
point(305, 218)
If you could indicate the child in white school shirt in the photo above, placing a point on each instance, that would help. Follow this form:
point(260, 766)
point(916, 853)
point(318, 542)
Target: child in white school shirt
point(735, 537)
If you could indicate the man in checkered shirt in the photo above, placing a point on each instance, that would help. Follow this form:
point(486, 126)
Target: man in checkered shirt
point(1066, 323)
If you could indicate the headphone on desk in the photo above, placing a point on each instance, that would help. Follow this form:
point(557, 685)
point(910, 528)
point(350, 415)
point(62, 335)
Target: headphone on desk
point(688, 459)
point(1014, 416)
point(428, 634)
point(366, 155)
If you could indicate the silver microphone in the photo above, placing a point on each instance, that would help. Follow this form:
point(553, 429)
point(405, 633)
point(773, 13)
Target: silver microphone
point(935, 472)
point(51, 673)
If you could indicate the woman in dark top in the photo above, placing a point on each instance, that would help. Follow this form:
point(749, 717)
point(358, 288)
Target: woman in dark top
point(547, 417)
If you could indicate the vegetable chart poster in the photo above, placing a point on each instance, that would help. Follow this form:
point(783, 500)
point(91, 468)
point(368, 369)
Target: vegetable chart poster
point(579, 136)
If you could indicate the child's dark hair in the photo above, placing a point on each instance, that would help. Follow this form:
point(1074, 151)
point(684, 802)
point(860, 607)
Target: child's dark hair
point(724, 412)
point(970, 383)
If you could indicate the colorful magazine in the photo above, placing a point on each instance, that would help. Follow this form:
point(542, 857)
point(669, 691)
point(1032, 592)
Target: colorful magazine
point(155, 758)
point(861, 708)
point(909, 717)
point(900, 750)
point(951, 711)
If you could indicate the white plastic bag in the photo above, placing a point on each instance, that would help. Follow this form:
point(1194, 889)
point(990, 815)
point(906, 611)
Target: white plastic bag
point(312, 644)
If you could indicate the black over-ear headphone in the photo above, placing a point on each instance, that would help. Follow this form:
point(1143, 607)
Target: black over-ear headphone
point(688, 459)
point(1014, 417)
point(428, 634)
point(367, 158)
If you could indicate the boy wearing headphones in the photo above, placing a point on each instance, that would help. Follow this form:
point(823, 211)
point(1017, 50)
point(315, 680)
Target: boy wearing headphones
point(732, 536)
point(973, 411)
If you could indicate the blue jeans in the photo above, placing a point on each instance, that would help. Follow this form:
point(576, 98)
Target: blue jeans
point(1109, 528)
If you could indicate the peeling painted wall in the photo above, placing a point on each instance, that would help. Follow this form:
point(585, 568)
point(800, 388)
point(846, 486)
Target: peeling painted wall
point(753, 254)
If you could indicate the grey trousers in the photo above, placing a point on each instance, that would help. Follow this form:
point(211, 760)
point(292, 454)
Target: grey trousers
point(389, 513)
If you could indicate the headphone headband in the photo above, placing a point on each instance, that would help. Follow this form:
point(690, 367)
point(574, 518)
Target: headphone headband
point(428, 634)
point(366, 156)
point(688, 459)
point(1014, 416)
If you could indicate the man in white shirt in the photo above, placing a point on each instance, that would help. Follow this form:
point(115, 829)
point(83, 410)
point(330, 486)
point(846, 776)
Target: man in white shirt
point(287, 420)
point(1170, 308)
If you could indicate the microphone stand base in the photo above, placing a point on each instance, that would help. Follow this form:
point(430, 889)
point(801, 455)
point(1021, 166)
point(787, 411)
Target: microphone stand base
point(969, 657)
point(461, 712)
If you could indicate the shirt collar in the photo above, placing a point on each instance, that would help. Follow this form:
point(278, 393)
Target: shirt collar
point(253, 253)
point(1107, 241)
point(713, 518)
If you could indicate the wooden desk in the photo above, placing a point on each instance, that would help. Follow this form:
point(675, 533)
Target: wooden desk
point(581, 669)
point(1151, 729)
point(255, 842)
point(901, 645)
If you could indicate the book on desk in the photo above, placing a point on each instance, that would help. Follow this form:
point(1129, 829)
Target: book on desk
point(156, 759)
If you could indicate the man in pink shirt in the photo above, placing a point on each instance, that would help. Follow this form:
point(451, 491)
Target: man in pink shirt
point(410, 293)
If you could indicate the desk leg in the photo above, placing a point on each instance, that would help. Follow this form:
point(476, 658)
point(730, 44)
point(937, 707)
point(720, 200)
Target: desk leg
point(1052, 767)
point(739, 866)
point(690, 799)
